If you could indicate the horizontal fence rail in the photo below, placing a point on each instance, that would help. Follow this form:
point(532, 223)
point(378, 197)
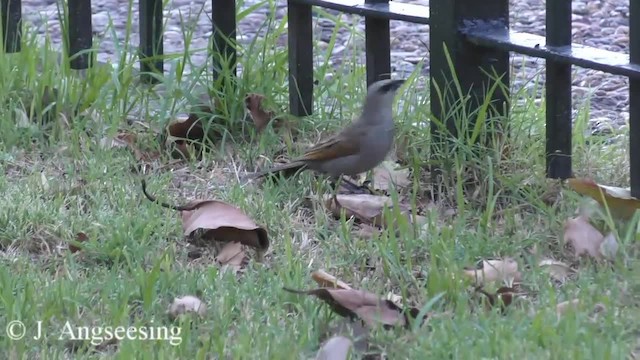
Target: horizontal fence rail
point(475, 33)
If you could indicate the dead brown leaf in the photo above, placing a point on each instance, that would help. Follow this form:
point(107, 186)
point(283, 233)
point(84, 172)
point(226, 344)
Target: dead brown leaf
point(583, 237)
point(503, 297)
point(76, 246)
point(609, 246)
point(186, 304)
point(618, 200)
point(368, 209)
point(327, 280)
point(260, 117)
point(187, 131)
point(232, 254)
point(495, 270)
point(336, 348)
point(369, 308)
point(387, 175)
point(556, 269)
point(225, 223)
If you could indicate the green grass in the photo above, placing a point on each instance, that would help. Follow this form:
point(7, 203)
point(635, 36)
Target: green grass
point(57, 181)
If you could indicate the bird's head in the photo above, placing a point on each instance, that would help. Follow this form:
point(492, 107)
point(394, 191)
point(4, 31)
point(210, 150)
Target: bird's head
point(380, 96)
point(385, 87)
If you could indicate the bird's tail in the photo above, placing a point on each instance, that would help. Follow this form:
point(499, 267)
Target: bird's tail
point(286, 170)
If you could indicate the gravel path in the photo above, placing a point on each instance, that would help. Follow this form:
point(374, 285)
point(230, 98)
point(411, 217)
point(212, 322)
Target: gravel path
point(604, 24)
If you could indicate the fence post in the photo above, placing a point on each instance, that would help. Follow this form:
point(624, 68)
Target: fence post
point(448, 20)
point(223, 18)
point(558, 93)
point(11, 16)
point(300, 38)
point(80, 34)
point(634, 99)
point(377, 46)
point(151, 40)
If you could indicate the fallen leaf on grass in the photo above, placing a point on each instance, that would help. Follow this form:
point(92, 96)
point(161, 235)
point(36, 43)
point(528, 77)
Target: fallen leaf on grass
point(583, 237)
point(618, 200)
point(232, 254)
point(388, 174)
point(503, 297)
point(609, 246)
point(76, 246)
point(336, 348)
point(260, 117)
point(327, 280)
point(556, 269)
point(367, 208)
point(184, 133)
point(185, 305)
point(495, 270)
point(225, 223)
point(369, 308)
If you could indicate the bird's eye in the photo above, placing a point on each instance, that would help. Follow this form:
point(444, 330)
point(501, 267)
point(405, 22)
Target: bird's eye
point(386, 87)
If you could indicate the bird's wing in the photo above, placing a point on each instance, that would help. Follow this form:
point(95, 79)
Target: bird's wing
point(343, 144)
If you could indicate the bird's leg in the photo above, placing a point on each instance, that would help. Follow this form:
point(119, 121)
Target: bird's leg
point(336, 189)
point(350, 183)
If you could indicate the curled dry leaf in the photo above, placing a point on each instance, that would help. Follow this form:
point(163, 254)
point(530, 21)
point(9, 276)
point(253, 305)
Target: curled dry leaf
point(186, 130)
point(618, 200)
point(370, 308)
point(327, 280)
point(232, 254)
point(388, 174)
point(503, 297)
point(495, 270)
point(260, 117)
point(76, 246)
point(225, 223)
point(336, 348)
point(583, 237)
point(186, 304)
point(609, 246)
point(556, 269)
point(367, 208)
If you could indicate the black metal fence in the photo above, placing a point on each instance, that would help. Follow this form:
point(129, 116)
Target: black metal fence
point(475, 33)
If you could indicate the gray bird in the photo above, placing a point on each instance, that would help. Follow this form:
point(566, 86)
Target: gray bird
point(359, 147)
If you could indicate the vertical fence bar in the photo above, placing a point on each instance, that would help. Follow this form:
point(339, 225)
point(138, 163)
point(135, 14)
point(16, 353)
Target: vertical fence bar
point(377, 47)
point(151, 40)
point(473, 65)
point(11, 16)
point(558, 93)
point(634, 99)
point(80, 34)
point(300, 34)
point(224, 35)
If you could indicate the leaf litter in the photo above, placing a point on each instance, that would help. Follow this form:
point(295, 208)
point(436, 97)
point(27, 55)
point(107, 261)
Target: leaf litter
point(498, 270)
point(358, 304)
point(222, 223)
point(617, 199)
point(369, 209)
point(585, 239)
